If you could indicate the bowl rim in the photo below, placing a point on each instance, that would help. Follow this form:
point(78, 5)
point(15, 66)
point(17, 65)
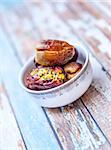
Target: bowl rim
point(60, 86)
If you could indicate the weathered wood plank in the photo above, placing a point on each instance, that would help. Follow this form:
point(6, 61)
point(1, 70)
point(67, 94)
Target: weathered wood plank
point(74, 125)
point(77, 121)
point(95, 26)
point(103, 7)
point(31, 118)
point(103, 86)
point(99, 95)
point(8, 125)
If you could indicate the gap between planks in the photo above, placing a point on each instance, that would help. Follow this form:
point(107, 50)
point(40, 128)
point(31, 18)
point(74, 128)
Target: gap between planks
point(74, 33)
point(32, 132)
point(95, 20)
point(9, 125)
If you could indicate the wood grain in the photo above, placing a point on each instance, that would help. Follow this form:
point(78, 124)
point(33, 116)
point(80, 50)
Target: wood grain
point(95, 25)
point(73, 124)
point(31, 118)
point(8, 125)
point(97, 97)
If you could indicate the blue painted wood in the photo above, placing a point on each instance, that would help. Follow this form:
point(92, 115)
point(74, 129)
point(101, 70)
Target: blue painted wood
point(32, 121)
point(10, 3)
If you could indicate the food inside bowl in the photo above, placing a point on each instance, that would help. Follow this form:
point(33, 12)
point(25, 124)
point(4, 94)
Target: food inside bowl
point(42, 78)
point(54, 52)
point(55, 63)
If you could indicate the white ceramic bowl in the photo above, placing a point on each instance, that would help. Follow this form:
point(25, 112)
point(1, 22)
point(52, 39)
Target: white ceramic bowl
point(65, 93)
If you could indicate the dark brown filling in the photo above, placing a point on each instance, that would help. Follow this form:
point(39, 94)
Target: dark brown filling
point(68, 71)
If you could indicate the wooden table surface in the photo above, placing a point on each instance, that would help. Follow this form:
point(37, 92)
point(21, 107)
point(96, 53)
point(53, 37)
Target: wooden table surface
point(82, 125)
